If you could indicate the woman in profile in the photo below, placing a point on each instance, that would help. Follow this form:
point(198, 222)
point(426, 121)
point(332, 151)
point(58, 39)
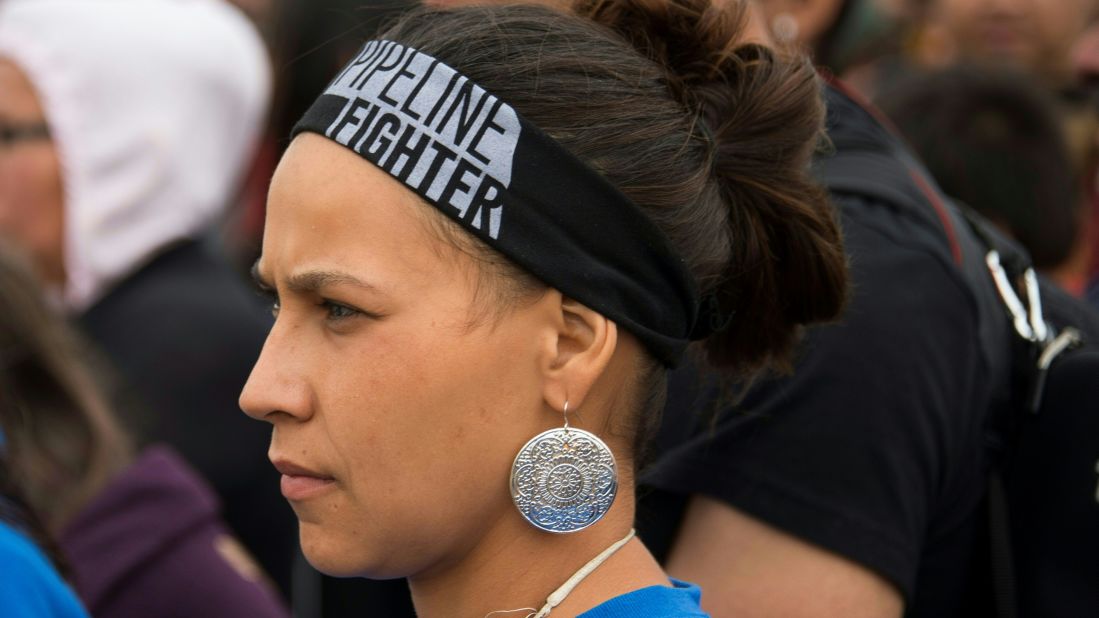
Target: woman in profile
point(491, 236)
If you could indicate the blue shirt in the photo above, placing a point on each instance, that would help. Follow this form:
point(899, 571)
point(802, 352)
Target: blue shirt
point(682, 601)
point(29, 585)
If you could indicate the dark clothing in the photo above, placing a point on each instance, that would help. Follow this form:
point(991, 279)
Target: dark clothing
point(147, 545)
point(183, 333)
point(875, 449)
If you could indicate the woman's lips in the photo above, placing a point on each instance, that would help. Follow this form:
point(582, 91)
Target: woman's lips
point(298, 488)
point(300, 483)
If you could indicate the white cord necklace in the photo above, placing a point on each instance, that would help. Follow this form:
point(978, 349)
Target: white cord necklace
point(557, 596)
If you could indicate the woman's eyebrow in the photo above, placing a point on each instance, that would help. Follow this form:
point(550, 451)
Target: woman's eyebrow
point(311, 280)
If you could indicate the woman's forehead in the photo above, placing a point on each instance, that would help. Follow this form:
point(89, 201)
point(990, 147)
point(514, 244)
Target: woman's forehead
point(328, 208)
point(318, 183)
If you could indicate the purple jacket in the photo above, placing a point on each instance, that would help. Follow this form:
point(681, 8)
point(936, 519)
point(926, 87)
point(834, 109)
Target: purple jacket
point(147, 546)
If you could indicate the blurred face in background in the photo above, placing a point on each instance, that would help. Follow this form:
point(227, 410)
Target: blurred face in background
point(31, 195)
point(1032, 35)
point(1085, 53)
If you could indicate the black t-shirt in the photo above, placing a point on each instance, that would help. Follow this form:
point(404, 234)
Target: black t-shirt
point(875, 448)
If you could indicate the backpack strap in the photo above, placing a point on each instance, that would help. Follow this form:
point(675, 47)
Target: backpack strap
point(889, 175)
point(1005, 595)
point(1017, 285)
point(883, 177)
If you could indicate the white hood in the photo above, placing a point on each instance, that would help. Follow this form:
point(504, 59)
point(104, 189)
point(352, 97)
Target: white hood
point(154, 106)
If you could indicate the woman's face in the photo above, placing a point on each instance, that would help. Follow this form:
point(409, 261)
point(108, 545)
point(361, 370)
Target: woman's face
point(394, 416)
point(31, 196)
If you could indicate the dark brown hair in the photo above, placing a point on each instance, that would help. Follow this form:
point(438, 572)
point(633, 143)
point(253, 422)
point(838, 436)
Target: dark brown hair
point(712, 138)
point(60, 441)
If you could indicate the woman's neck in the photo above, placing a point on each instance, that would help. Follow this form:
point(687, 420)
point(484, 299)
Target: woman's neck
point(517, 566)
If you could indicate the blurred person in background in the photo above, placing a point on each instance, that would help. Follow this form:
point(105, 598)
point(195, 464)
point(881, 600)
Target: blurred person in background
point(34, 586)
point(853, 486)
point(1036, 38)
point(840, 34)
point(992, 140)
point(31, 565)
point(807, 23)
point(140, 535)
point(133, 122)
point(1085, 62)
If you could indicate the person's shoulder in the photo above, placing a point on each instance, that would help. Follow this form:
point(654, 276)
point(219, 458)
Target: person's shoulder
point(877, 183)
point(32, 588)
point(680, 600)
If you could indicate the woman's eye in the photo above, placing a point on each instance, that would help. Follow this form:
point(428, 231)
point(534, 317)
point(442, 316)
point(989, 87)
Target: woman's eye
point(337, 311)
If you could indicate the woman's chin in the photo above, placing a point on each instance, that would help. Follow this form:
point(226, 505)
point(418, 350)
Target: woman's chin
point(333, 567)
point(345, 566)
point(340, 558)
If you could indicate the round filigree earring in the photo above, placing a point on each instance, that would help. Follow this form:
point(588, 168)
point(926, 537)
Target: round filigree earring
point(564, 479)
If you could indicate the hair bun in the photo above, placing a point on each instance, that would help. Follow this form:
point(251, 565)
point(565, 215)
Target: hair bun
point(715, 74)
point(692, 39)
point(762, 111)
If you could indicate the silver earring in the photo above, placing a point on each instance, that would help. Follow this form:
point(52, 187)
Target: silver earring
point(564, 479)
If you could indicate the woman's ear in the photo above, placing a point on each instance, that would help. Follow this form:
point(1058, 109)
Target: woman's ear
point(585, 342)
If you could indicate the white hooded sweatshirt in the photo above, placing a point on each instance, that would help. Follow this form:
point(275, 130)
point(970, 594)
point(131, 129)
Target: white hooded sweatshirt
point(155, 107)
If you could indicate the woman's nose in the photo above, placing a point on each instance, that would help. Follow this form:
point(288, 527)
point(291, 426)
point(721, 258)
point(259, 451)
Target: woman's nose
point(278, 385)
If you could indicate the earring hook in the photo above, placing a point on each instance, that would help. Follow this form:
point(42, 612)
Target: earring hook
point(565, 412)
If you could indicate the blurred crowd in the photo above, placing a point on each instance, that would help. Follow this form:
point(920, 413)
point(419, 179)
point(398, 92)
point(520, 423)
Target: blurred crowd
point(137, 140)
point(999, 100)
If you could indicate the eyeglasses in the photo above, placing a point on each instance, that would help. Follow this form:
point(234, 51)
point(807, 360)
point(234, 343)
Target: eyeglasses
point(11, 134)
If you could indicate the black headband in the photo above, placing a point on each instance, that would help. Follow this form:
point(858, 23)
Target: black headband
point(477, 160)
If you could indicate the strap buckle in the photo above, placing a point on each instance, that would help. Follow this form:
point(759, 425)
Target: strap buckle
point(1031, 326)
point(1027, 318)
